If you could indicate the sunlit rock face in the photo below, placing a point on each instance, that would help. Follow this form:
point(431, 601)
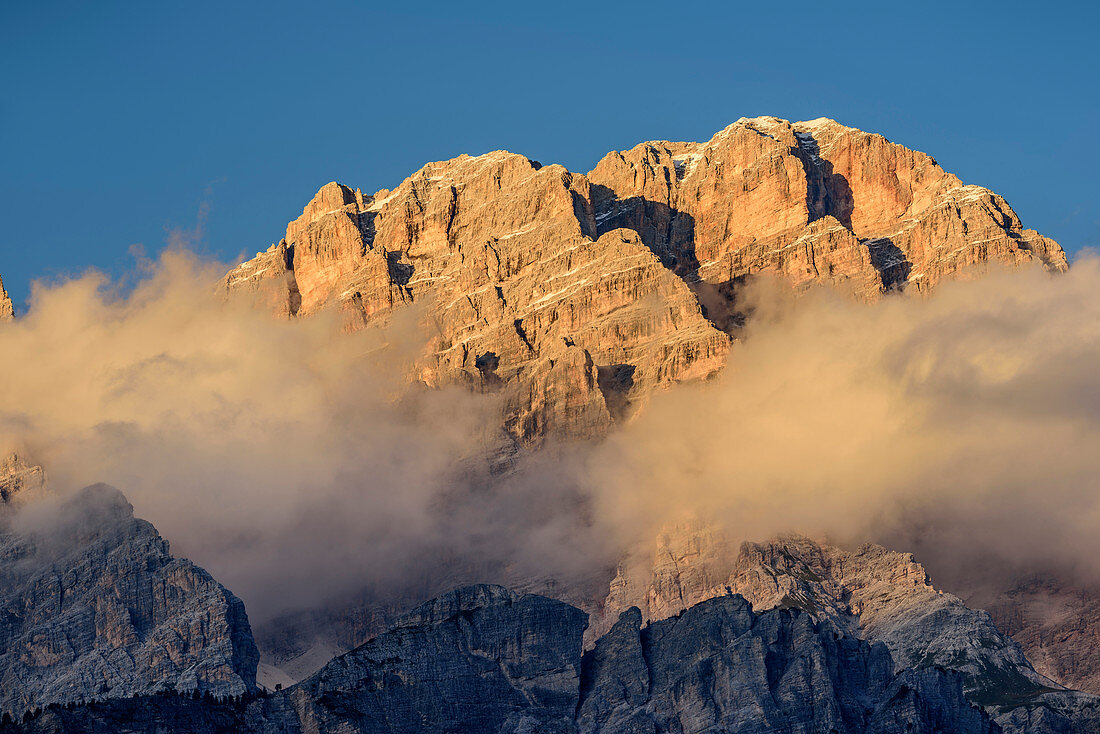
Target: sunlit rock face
point(93, 606)
point(520, 293)
point(7, 310)
point(578, 296)
point(813, 202)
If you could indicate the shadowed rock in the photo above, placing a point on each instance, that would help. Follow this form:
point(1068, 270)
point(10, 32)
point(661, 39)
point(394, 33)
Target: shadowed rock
point(871, 592)
point(93, 605)
point(483, 659)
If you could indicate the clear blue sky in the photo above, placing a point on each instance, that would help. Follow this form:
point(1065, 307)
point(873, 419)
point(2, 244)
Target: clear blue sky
point(120, 121)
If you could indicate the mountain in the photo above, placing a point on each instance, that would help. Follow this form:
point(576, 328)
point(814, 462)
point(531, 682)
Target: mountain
point(855, 641)
point(519, 289)
point(814, 201)
point(872, 593)
point(484, 659)
point(579, 295)
point(573, 297)
point(93, 605)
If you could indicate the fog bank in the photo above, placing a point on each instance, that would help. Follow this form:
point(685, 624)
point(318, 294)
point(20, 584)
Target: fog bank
point(296, 461)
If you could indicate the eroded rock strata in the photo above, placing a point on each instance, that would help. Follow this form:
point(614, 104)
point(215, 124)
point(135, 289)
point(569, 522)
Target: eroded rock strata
point(812, 201)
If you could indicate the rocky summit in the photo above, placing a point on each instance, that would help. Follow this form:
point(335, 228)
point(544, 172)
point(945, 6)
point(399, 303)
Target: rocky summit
point(572, 297)
point(484, 659)
point(578, 295)
point(93, 606)
point(812, 201)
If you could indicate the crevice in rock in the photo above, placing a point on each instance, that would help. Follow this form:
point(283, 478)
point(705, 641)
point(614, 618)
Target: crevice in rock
point(890, 261)
point(827, 193)
point(294, 296)
point(615, 382)
point(522, 334)
point(487, 365)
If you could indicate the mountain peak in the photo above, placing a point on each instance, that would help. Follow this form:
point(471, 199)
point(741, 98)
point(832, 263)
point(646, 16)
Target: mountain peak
point(513, 260)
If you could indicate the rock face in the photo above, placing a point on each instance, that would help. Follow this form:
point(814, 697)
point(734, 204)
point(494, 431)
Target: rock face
point(7, 310)
point(19, 479)
point(483, 659)
point(810, 201)
point(720, 667)
point(477, 659)
point(579, 295)
point(297, 644)
point(873, 593)
point(92, 605)
point(520, 293)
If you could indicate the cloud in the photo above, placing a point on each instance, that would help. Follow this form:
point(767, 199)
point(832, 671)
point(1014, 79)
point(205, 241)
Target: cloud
point(297, 463)
point(289, 458)
point(963, 425)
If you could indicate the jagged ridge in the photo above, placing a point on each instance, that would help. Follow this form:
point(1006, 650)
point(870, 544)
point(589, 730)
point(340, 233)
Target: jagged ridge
point(484, 659)
point(872, 593)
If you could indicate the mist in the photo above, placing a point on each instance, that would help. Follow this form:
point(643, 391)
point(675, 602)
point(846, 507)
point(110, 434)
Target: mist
point(295, 461)
point(298, 462)
point(963, 426)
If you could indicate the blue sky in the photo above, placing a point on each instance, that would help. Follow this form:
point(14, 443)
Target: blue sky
point(121, 122)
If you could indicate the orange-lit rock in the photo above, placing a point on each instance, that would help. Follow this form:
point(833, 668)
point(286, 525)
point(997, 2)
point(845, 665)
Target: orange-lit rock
point(735, 205)
point(580, 295)
point(519, 292)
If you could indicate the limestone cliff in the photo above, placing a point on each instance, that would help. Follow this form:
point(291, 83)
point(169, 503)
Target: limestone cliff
point(92, 606)
point(520, 293)
point(812, 202)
